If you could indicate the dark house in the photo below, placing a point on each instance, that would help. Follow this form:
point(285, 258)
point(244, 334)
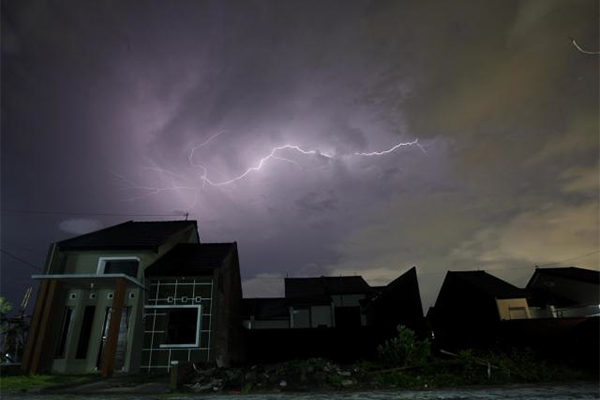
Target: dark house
point(470, 306)
point(342, 318)
point(398, 303)
point(137, 295)
point(266, 313)
point(564, 292)
point(326, 301)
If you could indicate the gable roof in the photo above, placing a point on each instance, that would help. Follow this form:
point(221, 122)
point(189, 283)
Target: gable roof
point(572, 273)
point(128, 235)
point(407, 280)
point(488, 284)
point(191, 259)
point(320, 289)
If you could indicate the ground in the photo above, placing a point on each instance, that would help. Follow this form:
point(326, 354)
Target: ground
point(588, 390)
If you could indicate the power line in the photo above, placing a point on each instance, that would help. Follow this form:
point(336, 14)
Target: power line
point(21, 260)
point(88, 213)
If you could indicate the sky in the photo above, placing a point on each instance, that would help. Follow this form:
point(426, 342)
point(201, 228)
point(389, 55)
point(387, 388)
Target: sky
point(326, 138)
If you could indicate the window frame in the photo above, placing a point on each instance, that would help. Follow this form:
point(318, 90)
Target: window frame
point(198, 325)
point(102, 263)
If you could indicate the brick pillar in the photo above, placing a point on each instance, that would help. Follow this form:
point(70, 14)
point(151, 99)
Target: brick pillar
point(36, 350)
point(34, 327)
point(110, 350)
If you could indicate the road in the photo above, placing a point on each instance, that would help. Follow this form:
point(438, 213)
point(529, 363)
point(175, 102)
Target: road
point(521, 392)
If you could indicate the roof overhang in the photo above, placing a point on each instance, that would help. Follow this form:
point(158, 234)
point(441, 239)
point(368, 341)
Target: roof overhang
point(90, 281)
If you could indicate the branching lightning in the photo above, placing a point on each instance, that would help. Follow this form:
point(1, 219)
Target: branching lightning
point(200, 181)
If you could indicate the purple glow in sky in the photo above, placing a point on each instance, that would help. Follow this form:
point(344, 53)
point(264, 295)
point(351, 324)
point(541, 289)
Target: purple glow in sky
point(292, 127)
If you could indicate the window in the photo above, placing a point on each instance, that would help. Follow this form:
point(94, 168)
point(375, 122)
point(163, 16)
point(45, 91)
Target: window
point(182, 327)
point(65, 331)
point(86, 331)
point(128, 266)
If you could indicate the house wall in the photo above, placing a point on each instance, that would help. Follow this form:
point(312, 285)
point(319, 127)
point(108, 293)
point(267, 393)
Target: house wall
point(227, 348)
point(399, 303)
point(463, 316)
point(170, 293)
point(78, 300)
point(347, 300)
point(260, 324)
point(321, 316)
point(513, 309)
point(584, 293)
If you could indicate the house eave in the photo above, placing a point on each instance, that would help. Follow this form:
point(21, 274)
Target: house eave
point(89, 281)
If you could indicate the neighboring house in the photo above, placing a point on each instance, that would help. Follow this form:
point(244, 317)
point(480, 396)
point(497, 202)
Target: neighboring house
point(398, 303)
point(470, 305)
point(341, 318)
point(97, 305)
point(564, 292)
point(266, 313)
point(326, 301)
point(343, 302)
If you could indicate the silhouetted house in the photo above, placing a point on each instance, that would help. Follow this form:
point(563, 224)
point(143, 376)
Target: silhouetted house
point(564, 292)
point(398, 303)
point(265, 313)
point(341, 318)
point(132, 297)
point(470, 306)
point(326, 301)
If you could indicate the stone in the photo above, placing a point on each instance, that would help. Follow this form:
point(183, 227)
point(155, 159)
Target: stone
point(347, 382)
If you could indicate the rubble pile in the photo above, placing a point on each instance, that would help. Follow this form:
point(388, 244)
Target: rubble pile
point(302, 375)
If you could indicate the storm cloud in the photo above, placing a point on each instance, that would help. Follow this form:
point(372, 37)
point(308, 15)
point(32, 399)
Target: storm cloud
point(124, 110)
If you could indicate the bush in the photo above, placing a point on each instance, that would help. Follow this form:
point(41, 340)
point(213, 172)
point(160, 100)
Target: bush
point(405, 350)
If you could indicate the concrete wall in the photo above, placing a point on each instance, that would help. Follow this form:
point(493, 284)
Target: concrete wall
point(513, 309)
point(321, 316)
point(70, 364)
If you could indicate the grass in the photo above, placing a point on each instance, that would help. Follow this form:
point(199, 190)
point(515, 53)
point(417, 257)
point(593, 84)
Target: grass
point(22, 383)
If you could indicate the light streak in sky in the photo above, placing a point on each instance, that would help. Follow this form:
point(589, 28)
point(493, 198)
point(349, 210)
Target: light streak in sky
point(205, 180)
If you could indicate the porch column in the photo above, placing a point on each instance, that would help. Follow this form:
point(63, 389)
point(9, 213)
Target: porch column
point(35, 356)
point(110, 350)
point(34, 327)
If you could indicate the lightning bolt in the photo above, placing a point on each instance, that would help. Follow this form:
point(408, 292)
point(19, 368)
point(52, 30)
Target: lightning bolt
point(205, 180)
point(392, 149)
point(262, 162)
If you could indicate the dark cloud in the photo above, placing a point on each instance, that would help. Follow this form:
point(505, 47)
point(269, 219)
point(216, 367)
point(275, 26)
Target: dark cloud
point(103, 102)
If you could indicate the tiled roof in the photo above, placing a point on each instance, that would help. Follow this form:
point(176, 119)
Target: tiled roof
point(319, 289)
point(128, 235)
point(573, 273)
point(489, 284)
point(191, 259)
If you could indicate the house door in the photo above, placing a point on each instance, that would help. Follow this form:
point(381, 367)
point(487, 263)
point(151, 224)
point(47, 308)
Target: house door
point(121, 341)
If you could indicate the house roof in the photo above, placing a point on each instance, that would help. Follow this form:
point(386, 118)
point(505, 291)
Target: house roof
point(572, 273)
point(265, 308)
point(318, 290)
point(128, 235)
point(191, 259)
point(489, 284)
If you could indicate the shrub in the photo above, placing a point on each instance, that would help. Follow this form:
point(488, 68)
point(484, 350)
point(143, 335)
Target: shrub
point(405, 350)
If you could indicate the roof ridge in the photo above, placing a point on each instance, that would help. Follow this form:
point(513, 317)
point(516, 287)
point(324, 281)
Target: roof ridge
point(95, 232)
